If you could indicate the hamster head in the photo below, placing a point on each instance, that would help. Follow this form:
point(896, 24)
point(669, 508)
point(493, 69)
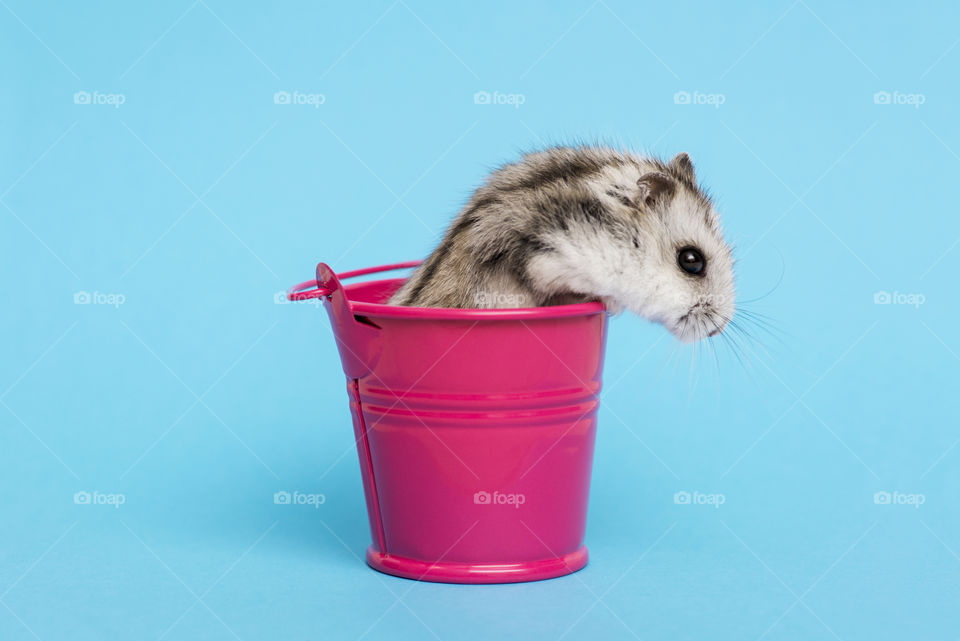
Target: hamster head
point(683, 268)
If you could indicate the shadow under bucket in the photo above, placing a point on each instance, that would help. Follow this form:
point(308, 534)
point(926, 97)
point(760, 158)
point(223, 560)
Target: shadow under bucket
point(475, 429)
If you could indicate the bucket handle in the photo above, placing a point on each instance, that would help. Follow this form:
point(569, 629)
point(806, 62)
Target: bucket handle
point(303, 291)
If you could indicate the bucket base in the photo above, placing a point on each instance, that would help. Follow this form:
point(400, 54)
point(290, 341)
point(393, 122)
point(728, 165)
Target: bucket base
point(451, 572)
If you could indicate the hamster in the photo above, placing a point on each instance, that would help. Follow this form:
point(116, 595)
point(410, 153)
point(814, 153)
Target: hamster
point(577, 224)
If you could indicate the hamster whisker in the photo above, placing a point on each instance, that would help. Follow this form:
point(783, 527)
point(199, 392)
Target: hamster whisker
point(746, 318)
point(674, 360)
point(783, 270)
point(680, 346)
point(713, 348)
point(753, 341)
point(690, 379)
point(734, 340)
point(754, 346)
point(747, 366)
point(740, 342)
point(742, 332)
point(735, 350)
point(769, 320)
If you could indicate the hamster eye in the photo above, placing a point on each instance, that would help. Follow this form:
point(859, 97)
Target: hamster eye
point(691, 261)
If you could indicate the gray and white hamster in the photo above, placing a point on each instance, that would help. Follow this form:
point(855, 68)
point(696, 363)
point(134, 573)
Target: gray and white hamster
point(575, 224)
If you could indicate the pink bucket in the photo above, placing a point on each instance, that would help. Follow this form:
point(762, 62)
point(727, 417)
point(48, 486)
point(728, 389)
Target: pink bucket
point(475, 429)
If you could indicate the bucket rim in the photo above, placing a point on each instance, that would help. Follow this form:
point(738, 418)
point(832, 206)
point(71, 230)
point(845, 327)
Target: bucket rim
point(446, 313)
point(382, 310)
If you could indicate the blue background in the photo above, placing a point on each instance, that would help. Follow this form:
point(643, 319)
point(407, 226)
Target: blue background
point(199, 198)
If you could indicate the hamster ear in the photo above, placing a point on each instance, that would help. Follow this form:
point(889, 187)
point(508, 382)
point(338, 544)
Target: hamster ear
point(683, 166)
point(655, 185)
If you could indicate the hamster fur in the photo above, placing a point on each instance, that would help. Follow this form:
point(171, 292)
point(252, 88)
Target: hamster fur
point(576, 224)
